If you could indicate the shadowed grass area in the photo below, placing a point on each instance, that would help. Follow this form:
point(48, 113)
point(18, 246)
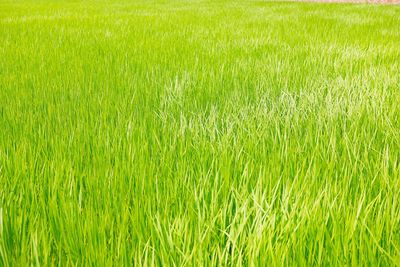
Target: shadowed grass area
point(199, 133)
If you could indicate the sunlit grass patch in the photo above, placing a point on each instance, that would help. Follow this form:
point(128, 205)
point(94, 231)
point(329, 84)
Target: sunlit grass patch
point(199, 133)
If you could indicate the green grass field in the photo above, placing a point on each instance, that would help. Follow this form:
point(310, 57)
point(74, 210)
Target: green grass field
point(199, 133)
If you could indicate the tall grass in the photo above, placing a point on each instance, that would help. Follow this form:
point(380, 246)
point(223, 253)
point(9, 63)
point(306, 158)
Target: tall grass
point(199, 133)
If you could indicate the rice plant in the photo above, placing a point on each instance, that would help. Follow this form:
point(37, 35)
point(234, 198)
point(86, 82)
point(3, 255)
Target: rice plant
point(199, 133)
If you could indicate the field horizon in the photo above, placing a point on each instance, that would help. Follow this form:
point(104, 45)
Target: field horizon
point(199, 133)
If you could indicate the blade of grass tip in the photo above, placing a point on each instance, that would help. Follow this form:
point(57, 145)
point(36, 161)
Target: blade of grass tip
point(381, 249)
point(35, 251)
point(3, 254)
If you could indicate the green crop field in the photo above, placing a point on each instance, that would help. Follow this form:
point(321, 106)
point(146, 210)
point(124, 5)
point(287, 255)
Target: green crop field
point(199, 133)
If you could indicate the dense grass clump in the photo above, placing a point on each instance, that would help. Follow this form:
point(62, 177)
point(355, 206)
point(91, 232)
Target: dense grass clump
point(199, 133)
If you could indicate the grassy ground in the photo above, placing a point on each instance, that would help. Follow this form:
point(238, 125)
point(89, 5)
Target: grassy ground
point(199, 133)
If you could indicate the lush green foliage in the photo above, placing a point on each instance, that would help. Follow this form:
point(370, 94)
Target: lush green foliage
point(199, 133)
